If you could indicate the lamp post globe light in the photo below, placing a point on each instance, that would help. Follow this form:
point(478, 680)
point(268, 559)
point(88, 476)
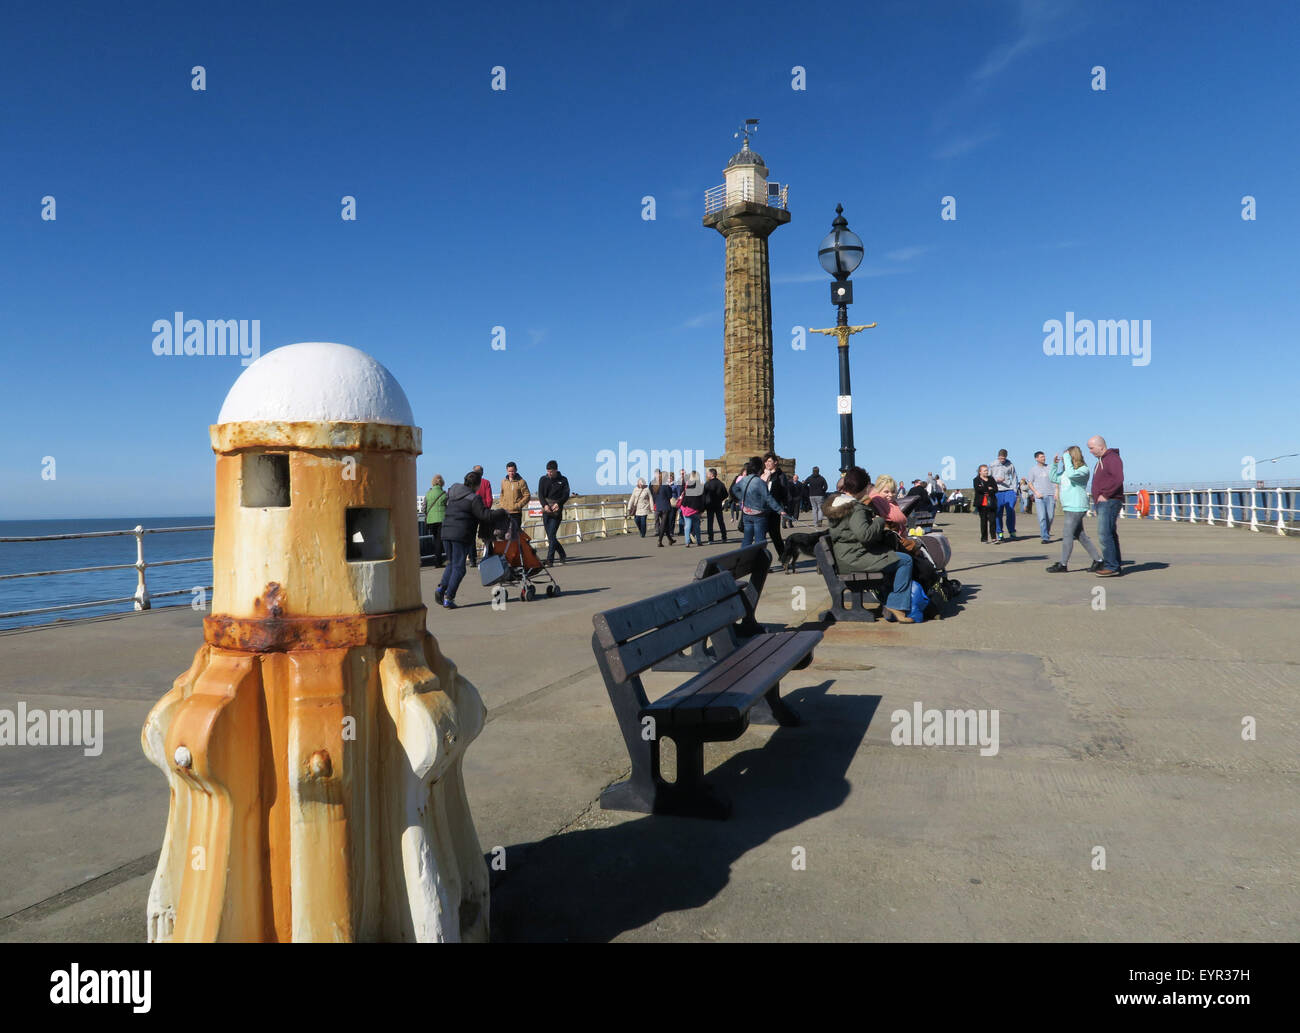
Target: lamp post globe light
point(840, 253)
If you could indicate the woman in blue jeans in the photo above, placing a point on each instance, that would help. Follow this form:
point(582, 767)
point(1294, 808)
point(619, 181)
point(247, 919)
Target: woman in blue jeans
point(862, 543)
point(755, 503)
point(465, 513)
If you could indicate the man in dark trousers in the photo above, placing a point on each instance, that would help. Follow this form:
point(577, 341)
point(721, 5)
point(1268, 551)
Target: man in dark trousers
point(816, 493)
point(715, 497)
point(553, 490)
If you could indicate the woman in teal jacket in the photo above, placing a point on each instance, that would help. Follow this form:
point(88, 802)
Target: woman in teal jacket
point(1074, 506)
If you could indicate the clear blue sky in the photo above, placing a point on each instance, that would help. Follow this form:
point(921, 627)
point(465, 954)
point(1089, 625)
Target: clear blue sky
point(523, 208)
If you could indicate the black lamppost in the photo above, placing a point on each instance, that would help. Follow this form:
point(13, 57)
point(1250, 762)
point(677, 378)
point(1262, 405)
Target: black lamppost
point(840, 253)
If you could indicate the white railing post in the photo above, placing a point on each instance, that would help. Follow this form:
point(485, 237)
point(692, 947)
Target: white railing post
point(1230, 522)
point(1173, 507)
point(141, 591)
point(1155, 505)
point(1281, 522)
point(1209, 507)
point(1254, 515)
point(1191, 507)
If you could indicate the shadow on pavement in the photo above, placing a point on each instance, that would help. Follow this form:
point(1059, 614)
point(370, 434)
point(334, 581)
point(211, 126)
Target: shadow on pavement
point(594, 884)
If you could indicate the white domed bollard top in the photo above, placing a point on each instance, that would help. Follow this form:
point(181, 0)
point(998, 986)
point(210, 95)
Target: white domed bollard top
point(315, 515)
point(317, 382)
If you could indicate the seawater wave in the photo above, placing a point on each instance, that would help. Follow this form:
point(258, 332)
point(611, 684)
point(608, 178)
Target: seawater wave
point(30, 593)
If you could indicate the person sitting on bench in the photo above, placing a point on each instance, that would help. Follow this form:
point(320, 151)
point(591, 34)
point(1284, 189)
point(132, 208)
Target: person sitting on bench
point(861, 542)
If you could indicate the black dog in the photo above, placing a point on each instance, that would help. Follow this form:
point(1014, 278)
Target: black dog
point(797, 545)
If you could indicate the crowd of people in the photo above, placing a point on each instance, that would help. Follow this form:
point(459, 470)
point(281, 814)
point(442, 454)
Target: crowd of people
point(997, 489)
point(865, 523)
point(454, 519)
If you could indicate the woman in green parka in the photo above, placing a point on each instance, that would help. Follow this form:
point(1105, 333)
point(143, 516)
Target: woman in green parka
point(435, 512)
point(862, 543)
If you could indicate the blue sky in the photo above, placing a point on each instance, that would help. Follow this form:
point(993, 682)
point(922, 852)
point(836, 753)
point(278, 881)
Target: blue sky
point(522, 208)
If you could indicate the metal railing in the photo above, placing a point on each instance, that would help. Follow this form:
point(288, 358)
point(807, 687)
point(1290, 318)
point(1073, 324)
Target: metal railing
point(601, 520)
point(716, 198)
point(142, 599)
point(582, 521)
point(1259, 506)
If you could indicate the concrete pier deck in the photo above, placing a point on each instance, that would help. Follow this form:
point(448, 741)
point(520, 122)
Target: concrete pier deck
point(1119, 728)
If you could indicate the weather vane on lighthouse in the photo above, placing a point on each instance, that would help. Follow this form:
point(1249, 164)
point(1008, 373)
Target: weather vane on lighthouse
point(750, 127)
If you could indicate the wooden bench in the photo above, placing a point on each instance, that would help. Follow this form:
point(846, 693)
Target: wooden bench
point(713, 706)
point(752, 562)
point(861, 586)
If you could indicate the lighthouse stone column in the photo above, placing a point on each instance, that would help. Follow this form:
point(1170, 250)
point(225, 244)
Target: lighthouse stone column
point(746, 222)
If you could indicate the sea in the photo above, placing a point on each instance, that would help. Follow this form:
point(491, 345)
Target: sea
point(32, 593)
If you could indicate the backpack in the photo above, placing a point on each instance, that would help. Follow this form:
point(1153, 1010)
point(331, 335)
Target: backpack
point(942, 595)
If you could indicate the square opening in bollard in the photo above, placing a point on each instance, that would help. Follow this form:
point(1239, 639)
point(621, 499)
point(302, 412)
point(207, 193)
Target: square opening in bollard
point(264, 481)
point(369, 535)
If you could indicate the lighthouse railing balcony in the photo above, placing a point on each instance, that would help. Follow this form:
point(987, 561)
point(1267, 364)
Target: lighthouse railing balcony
point(718, 197)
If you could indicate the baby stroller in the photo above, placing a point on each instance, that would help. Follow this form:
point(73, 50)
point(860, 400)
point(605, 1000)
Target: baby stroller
point(930, 561)
point(510, 560)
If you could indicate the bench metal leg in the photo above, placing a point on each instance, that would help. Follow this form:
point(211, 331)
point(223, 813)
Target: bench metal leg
point(773, 710)
point(690, 796)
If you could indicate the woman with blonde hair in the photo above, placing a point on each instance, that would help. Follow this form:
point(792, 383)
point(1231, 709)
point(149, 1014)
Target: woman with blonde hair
point(1073, 482)
point(861, 542)
point(883, 498)
point(640, 505)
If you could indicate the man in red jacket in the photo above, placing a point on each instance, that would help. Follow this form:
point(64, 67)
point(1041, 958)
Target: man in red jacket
point(484, 535)
point(1108, 494)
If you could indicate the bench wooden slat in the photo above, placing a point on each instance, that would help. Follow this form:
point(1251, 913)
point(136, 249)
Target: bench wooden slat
point(750, 561)
point(720, 676)
point(728, 705)
point(622, 623)
point(679, 618)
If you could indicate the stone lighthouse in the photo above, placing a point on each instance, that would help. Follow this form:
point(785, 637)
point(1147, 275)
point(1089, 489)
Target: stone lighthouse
point(313, 749)
point(745, 210)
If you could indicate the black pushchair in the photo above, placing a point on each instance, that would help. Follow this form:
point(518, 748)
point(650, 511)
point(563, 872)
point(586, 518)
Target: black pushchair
point(930, 561)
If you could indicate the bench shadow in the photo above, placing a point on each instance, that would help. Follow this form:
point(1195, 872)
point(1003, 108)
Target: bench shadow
point(591, 885)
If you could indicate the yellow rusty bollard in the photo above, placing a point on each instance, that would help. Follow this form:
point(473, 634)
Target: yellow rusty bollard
point(314, 746)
